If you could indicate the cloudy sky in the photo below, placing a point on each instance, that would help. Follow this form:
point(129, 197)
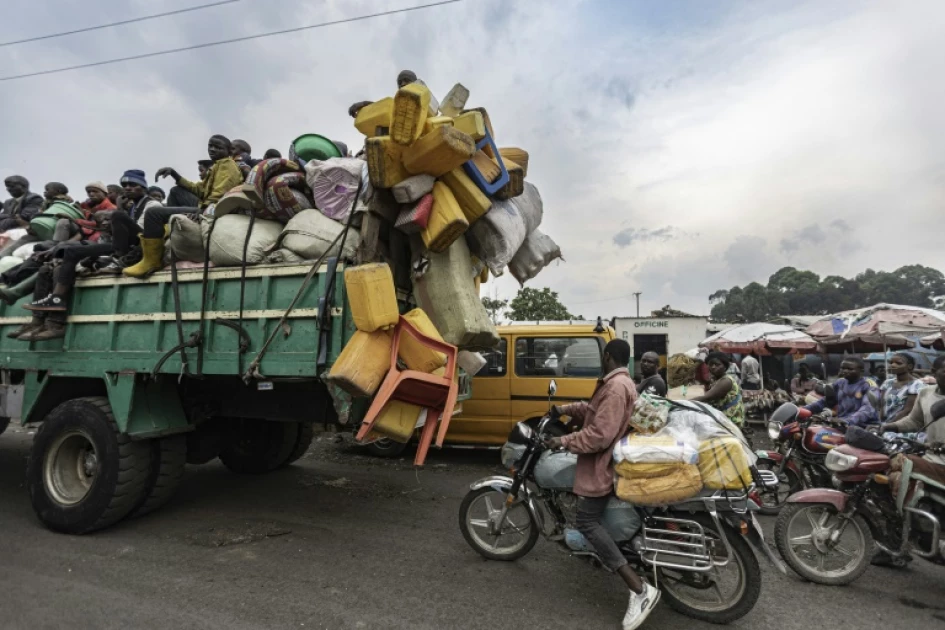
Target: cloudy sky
point(679, 147)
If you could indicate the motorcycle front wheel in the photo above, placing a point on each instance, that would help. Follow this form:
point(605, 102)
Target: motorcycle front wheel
point(722, 594)
point(516, 536)
point(806, 535)
point(773, 499)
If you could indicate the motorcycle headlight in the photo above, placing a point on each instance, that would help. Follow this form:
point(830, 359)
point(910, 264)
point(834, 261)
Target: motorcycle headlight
point(511, 453)
point(774, 430)
point(839, 462)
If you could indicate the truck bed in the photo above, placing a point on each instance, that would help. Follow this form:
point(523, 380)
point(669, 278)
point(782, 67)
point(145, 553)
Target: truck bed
point(119, 324)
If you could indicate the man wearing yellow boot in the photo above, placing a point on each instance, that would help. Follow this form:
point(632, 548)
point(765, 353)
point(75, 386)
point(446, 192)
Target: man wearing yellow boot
point(223, 175)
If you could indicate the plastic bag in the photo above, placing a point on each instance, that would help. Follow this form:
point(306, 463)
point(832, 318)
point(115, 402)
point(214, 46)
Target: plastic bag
point(537, 252)
point(530, 206)
point(650, 413)
point(665, 446)
point(334, 183)
point(497, 236)
point(724, 465)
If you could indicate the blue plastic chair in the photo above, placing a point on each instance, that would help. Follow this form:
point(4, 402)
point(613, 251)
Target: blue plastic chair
point(476, 175)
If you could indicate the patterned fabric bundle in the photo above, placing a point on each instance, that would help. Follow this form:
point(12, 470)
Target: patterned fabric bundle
point(285, 197)
point(255, 184)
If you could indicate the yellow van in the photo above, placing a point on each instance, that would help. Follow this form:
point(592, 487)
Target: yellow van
point(513, 386)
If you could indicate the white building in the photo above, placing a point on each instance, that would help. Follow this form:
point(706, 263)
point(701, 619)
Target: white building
point(665, 336)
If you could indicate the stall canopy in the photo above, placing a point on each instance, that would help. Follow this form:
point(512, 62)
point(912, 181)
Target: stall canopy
point(934, 341)
point(761, 339)
point(875, 328)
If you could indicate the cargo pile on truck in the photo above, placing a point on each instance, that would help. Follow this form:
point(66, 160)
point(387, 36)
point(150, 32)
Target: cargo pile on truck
point(324, 289)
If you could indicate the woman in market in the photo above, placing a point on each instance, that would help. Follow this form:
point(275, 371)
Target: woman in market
point(725, 394)
point(900, 390)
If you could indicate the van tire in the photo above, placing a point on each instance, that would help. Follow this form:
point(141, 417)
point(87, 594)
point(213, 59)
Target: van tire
point(168, 457)
point(386, 447)
point(115, 475)
point(252, 446)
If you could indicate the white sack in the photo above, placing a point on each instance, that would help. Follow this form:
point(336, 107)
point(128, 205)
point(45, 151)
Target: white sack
point(310, 233)
point(536, 253)
point(229, 237)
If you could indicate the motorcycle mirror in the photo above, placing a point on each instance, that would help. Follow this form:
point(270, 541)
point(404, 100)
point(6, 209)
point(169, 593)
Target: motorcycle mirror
point(938, 410)
point(784, 414)
point(552, 388)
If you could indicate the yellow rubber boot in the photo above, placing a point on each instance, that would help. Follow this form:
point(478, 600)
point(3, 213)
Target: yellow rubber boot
point(152, 258)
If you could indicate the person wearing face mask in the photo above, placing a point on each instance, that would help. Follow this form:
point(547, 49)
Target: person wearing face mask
point(223, 175)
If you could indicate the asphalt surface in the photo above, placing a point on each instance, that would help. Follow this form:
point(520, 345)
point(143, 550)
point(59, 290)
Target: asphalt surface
point(341, 540)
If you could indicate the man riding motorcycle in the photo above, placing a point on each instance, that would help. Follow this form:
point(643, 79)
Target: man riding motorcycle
point(603, 421)
point(852, 390)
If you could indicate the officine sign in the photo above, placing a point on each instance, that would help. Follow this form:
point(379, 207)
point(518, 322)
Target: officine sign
point(651, 323)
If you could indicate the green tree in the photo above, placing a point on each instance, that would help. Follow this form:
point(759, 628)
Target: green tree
point(531, 305)
point(494, 306)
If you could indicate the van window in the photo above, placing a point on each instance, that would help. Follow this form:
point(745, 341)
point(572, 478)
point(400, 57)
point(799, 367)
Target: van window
point(497, 361)
point(575, 357)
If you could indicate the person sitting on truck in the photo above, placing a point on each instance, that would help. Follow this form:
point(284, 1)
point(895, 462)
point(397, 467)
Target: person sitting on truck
point(22, 205)
point(603, 421)
point(85, 229)
point(123, 235)
point(157, 193)
point(853, 395)
point(652, 382)
point(222, 176)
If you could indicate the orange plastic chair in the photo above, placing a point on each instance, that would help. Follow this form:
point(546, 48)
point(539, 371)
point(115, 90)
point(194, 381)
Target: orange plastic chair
point(437, 394)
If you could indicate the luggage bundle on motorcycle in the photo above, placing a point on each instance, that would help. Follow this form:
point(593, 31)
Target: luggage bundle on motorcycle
point(697, 448)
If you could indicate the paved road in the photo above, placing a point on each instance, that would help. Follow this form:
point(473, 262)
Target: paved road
point(343, 541)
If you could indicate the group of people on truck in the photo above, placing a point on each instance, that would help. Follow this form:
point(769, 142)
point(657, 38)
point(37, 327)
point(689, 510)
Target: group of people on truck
point(121, 231)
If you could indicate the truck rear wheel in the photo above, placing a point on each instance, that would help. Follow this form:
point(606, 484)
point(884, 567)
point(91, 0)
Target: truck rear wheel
point(4, 423)
point(83, 474)
point(306, 435)
point(168, 456)
point(258, 446)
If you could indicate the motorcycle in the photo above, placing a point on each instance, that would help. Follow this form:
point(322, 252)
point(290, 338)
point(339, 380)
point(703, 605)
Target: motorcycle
point(827, 535)
point(802, 443)
point(698, 552)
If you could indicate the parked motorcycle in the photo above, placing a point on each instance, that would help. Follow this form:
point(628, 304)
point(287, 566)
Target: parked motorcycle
point(696, 551)
point(827, 535)
point(802, 442)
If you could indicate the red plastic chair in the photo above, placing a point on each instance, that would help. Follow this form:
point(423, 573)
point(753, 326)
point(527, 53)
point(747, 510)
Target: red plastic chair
point(437, 394)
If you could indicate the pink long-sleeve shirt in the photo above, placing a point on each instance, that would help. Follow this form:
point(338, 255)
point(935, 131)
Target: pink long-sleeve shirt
point(605, 420)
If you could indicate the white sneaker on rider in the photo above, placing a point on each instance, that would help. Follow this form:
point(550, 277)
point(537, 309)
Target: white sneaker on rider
point(641, 605)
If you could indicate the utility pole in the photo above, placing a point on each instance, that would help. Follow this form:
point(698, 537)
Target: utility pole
point(637, 296)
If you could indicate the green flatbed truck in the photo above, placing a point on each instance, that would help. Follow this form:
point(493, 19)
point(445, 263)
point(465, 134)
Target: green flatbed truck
point(144, 382)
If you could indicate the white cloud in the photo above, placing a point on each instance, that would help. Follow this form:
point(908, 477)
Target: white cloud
point(742, 128)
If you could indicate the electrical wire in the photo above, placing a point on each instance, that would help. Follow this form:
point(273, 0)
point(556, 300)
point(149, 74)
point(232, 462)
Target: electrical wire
point(121, 23)
point(297, 29)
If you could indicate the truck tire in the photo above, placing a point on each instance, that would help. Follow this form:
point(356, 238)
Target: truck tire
point(306, 435)
point(254, 446)
point(83, 474)
point(385, 447)
point(4, 423)
point(204, 443)
point(168, 456)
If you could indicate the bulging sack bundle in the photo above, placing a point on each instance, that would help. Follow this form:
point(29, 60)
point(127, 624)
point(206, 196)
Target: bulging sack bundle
point(537, 252)
point(650, 414)
point(723, 464)
point(663, 447)
point(229, 237)
point(447, 294)
point(497, 236)
point(530, 206)
point(682, 483)
point(188, 238)
point(334, 184)
point(310, 234)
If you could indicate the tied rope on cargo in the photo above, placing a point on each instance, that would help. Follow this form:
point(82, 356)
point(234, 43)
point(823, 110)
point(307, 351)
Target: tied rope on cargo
point(252, 372)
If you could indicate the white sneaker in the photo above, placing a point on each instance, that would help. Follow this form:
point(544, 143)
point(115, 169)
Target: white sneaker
point(641, 606)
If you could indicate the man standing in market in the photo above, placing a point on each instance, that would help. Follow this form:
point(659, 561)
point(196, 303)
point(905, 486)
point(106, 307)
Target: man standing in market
point(652, 382)
point(852, 391)
point(603, 421)
point(751, 373)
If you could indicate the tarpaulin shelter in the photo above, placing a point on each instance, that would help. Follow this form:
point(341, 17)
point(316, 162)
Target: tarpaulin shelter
point(762, 339)
point(875, 328)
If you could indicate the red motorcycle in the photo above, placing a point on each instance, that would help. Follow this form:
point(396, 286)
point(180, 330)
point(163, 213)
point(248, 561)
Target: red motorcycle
point(828, 535)
point(802, 442)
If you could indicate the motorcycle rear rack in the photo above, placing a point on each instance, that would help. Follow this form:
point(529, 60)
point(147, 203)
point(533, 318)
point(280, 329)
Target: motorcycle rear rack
point(769, 478)
point(676, 544)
